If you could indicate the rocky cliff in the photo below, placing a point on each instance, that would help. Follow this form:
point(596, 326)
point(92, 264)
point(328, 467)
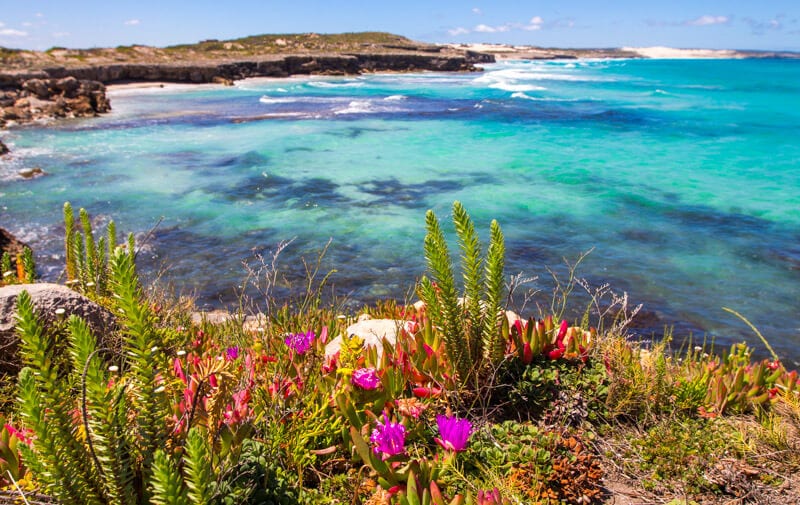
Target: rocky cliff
point(79, 91)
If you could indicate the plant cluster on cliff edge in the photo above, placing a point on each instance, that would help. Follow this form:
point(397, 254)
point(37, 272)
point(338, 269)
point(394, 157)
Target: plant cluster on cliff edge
point(470, 404)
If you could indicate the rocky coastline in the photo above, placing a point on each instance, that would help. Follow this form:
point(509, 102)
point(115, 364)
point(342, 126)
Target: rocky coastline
point(37, 91)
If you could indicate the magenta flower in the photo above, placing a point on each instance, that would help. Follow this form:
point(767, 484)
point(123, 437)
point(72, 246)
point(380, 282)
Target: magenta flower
point(389, 438)
point(232, 353)
point(300, 342)
point(366, 378)
point(454, 432)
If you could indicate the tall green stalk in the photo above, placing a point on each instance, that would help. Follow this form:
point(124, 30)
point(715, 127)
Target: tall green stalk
point(470, 324)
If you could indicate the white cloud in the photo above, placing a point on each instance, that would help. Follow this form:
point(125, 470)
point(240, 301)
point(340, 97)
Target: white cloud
point(458, 31)
point(39, 15)
point(534, 24)
point(10, 32)
point(492, 29)
point(476, 10)
point(761, 27)
point(132, 22)
point(709, 20)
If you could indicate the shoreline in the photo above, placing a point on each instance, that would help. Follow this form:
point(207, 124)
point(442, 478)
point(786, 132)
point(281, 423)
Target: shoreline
point(505, 52)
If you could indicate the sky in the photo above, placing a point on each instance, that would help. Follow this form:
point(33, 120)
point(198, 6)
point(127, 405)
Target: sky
point(714, 24)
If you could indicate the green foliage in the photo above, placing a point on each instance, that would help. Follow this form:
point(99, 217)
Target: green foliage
point(19, 270)
point(101, 448)
point(230, 414)
point(62, 461)
point(87, 259)
point(471, 325)
point(141, 345)
point(678, 452)
point(259, 479)
point(198, 468)
point(167, 482)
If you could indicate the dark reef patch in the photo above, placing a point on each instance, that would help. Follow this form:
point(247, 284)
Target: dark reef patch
point(393, 192)
point(248, 159)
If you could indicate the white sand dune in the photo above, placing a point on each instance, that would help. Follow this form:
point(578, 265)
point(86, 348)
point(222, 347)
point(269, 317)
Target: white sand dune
point(661, 52)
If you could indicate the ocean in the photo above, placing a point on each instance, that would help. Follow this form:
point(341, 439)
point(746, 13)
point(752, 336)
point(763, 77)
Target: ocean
point(680, 178)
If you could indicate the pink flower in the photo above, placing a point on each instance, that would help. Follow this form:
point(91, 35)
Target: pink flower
point(300, 342)
point(454, 432)
point(231, 353)
point(366, 378)
point(389, 438)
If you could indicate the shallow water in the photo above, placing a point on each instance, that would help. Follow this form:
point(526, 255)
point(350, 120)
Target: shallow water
point(684, 176)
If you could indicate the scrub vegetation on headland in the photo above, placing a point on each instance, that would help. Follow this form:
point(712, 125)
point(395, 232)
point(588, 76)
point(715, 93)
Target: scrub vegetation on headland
point(452, 399)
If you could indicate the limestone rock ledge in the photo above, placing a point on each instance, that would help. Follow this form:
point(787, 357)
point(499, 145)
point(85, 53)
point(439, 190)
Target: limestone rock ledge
point(44, 97)
point(55, 92)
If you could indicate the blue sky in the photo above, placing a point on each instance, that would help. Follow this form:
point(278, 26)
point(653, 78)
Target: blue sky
point(737, 24)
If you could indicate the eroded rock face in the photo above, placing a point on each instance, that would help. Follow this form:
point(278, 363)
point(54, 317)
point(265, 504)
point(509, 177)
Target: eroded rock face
point(41, 98)
point(47, 299)
point(10, 244)
point(3, 148)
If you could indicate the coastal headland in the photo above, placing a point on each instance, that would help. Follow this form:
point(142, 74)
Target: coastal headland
point(62, 82)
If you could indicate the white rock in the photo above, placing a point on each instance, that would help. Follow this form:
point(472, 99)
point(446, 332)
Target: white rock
point(372, 332)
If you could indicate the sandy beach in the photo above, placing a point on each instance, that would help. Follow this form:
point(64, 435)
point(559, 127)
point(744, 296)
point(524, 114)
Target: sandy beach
point(671, 53)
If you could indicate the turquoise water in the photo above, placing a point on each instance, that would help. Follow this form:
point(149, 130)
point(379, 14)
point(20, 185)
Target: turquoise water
point(683, 176)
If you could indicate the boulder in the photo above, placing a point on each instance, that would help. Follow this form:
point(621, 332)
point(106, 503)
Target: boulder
point(372, 332)
point(68, 86)
point(48, 299)
point(37, 87)
point(81, 106)
point(3, 148)
point(30, 173)
point(212, 317)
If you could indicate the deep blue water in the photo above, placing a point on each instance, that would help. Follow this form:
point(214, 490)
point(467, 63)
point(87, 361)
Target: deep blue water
point(683, 176)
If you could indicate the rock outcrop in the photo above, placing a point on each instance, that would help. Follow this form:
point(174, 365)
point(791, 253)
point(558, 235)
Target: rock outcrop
point(79, 91)
point(10, 244)
point(265, 66)
point(3, 148)
point(41, 96)
point(372, 332)
point(48, 299)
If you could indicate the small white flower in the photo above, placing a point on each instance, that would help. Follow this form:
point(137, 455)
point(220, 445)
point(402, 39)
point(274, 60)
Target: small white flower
point(72, 282)
point(154, 348)
point(159, 389)
point(113, 368)
point(60, 312)
point(90, 284)
point(8, 274)
point(181, 353)
point(705, 355)
point(697, 348)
